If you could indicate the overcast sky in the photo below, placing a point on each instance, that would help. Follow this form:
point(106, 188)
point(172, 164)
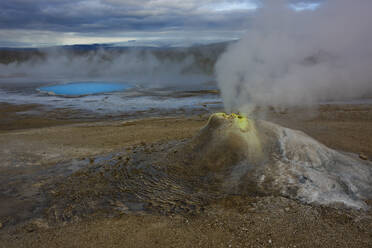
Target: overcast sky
point(31, 23)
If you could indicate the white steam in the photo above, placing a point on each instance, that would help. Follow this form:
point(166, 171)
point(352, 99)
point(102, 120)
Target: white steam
point(136, 66)
point(290, 58)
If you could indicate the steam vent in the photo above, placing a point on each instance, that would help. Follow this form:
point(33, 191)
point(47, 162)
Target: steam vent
point(242, 156)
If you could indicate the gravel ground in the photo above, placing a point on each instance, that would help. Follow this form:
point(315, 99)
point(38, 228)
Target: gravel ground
point(102, 184)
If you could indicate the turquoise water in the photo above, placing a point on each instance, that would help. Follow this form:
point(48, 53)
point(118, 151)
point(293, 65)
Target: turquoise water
point(84, 88)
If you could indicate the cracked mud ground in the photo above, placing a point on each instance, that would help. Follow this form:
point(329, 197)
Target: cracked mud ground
point(129, 197)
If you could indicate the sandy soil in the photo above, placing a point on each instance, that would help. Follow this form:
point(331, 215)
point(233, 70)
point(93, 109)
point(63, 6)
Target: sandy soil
point(15, 117)
point(229, 221)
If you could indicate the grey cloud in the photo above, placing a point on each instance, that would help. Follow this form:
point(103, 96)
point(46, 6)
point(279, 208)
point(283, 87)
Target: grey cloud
point(123, 17)
point(82, 16)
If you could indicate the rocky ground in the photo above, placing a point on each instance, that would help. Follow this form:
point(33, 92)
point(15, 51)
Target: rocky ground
point(105, 184)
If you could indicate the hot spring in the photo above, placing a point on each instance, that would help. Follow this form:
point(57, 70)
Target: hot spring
point(84, 88)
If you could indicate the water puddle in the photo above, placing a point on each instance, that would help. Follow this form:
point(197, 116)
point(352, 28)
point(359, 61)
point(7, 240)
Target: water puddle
point(76, 89)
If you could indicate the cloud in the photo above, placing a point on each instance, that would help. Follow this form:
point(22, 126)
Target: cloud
point(85, 16)
point(114, 17)
point(117, 18)
point(173, 38)
point(301, 6)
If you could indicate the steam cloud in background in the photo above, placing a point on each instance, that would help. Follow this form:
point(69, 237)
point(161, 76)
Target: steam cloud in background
point(135, 66)
point(293, 58)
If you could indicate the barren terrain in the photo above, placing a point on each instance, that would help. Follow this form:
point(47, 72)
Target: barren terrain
point(59, 188)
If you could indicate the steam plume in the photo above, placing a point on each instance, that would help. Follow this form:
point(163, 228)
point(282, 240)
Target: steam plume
point(290, 58)
point(137, 66)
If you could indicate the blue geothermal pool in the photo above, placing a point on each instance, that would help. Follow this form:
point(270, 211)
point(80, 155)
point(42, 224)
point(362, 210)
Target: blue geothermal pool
point(84, 88)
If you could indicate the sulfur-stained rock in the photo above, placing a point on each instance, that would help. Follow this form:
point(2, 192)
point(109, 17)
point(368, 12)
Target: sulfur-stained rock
point(237, 155)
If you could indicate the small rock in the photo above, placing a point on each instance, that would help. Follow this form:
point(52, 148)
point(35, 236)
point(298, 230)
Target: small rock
point(120, 205)
point(30, 228)
point(363, 156)
point(287, 209)
point(40, 223)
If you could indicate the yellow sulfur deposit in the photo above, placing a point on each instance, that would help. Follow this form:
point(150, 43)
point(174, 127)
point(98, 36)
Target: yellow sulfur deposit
point(242, 127)
point(241, 121)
